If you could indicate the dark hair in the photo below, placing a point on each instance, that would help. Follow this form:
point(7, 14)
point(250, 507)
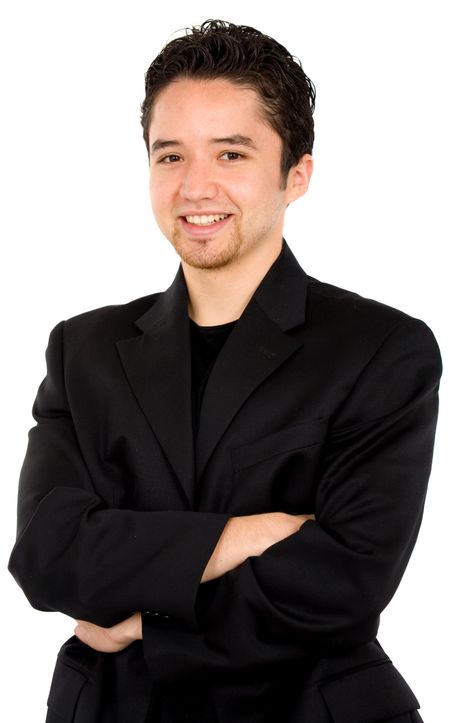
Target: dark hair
point(244, 56)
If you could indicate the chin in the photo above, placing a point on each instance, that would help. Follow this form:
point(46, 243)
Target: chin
point(205, 260)
point(204, 254)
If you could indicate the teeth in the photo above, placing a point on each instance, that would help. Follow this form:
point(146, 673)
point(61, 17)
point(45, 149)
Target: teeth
point(206, 220)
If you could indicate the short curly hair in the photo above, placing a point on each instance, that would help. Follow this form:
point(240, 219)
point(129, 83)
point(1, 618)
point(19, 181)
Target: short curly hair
point(246, 57)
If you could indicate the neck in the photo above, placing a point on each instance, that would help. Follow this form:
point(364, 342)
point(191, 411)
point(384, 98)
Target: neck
point(217, 296)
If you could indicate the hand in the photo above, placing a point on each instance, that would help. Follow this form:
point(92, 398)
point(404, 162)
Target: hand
point(110, 640)
point(278, 526)
point(250, 535)
point(306, 517)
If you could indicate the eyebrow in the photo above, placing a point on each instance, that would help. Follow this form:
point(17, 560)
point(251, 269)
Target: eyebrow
point(158, 145)
point(234, 140)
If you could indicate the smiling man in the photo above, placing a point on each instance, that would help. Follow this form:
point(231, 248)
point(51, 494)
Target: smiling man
point(217, 190)
point(226, 479)
point(217, 194)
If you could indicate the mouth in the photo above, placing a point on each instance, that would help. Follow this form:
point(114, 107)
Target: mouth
point(206, 220)
point(205, 225)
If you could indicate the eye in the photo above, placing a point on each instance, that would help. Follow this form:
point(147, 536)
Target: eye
point(171, 158)
point(232, 155)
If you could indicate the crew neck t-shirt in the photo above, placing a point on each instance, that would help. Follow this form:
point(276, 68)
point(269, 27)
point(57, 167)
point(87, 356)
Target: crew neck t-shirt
point(188, 702)
point(206, 343)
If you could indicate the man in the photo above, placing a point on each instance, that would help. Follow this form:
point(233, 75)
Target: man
point(227, 479)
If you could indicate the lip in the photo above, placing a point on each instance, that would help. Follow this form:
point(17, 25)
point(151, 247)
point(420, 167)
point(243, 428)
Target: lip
point(201, 231)
point(196, 212)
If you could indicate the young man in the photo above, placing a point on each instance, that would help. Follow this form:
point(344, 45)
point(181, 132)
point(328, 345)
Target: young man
point(227, 479)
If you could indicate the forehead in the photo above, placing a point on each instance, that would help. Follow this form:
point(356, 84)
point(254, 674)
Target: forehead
point(204, 105)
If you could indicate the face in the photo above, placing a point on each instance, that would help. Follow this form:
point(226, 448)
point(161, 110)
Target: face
point(215, 180)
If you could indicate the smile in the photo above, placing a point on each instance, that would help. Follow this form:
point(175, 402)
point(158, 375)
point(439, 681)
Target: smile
point(206, 220)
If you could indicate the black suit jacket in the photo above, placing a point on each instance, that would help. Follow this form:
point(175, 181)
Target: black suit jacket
point(320, 401)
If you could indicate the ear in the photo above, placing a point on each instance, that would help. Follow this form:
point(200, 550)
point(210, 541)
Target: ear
point(298, 178)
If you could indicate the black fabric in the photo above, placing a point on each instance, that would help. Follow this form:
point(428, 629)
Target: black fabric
point(412, 717)
point(181, 704)
point(206, 343)
point(320, 401)
point(356, 697)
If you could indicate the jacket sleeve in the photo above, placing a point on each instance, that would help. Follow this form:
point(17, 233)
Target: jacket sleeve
point(75, 555)
point(321, 590)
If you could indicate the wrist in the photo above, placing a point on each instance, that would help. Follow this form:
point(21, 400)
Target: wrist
point(131, 629)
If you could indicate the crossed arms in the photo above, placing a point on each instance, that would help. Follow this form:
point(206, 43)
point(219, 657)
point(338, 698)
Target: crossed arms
point(275, 587)
point(242, 537)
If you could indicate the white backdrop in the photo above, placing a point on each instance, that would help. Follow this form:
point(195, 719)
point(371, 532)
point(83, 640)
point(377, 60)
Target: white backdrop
point(77, 232)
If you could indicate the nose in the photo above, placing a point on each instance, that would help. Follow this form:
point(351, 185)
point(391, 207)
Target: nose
point(198, 182)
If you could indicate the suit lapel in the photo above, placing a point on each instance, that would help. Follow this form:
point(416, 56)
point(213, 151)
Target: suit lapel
point(256, 347)
point(158, 366)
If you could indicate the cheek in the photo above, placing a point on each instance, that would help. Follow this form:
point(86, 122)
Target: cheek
point(263, 183)
point(263, 194)
point(248, 190)
point(158, 197)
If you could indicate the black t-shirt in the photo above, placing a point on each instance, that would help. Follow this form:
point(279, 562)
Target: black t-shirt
point(206, 343)
point(186, 702)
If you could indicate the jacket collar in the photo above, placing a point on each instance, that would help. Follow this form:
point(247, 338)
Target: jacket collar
point(158, 364)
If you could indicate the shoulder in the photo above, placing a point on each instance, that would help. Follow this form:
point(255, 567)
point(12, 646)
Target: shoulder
point(115, 319)
point(336, 302)
point(98, 328)
point(350, 312)
point(346, 325)
point(393, 357)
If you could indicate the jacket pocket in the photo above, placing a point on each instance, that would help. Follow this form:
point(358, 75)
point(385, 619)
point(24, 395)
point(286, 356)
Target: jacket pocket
point(369, 695)
point(65, 691)
point(286, 440)
point(277, 471)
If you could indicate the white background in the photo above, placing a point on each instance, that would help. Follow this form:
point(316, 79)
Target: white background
point(77, 232)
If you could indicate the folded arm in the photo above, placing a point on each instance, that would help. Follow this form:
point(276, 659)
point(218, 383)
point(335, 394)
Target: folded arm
point(242, 537)
point(321, 589)
point(249, 536)
point(316, 590)
point(76, 555)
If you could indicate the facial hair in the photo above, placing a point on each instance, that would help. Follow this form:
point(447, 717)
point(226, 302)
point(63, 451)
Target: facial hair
point(203, 253)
